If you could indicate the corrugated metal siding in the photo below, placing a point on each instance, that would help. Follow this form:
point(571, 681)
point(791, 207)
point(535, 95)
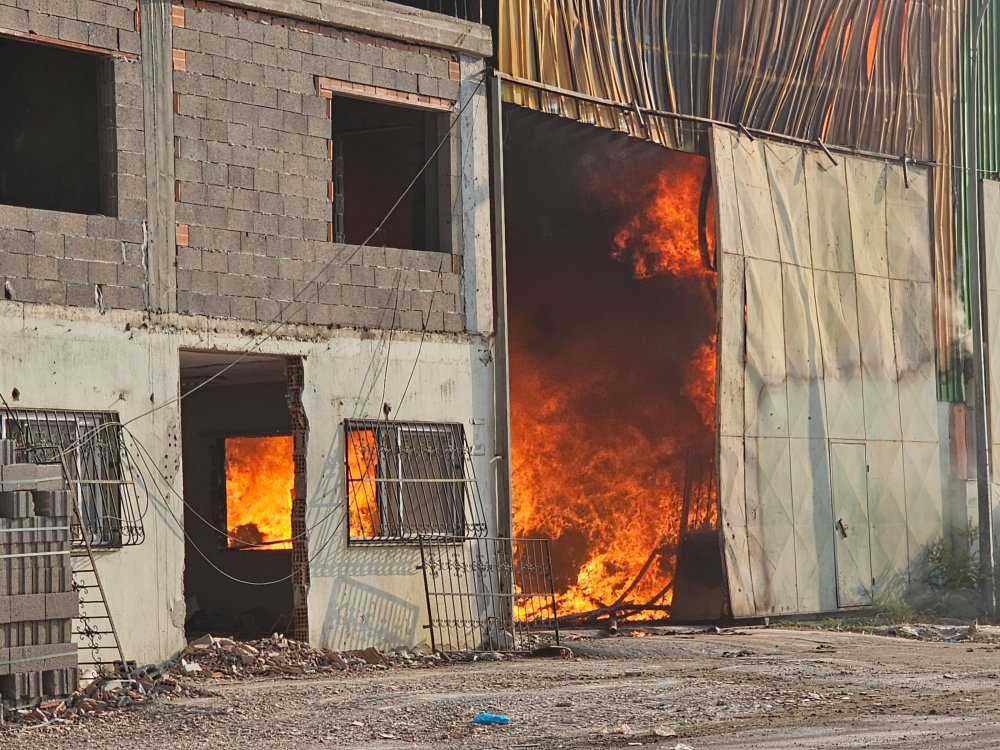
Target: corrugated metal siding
point(883, 76)
point(988, 119)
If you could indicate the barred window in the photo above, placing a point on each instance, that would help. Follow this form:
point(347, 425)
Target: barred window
point(92, 463)
point(405, 480)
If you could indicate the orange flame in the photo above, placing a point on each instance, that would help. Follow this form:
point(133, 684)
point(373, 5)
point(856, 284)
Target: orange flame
point(362, 490)
point(260, 477)
point(612, 497)
point(873, 40)
point(700, 386)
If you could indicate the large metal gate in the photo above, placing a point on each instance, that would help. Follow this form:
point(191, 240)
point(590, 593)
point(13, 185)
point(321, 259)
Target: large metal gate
point(491, 594)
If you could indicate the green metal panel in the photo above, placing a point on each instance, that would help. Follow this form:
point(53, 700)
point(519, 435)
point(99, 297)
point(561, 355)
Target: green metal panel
point(988, 122)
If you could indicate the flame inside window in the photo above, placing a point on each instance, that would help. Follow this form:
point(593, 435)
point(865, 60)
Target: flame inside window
point(362, 463)
point(260, 476)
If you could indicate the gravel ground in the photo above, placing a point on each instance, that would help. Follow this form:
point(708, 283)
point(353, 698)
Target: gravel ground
point(754, 688)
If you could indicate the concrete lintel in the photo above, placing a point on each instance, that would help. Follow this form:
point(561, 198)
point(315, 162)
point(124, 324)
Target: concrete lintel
point(285, 339)
point(385, 19)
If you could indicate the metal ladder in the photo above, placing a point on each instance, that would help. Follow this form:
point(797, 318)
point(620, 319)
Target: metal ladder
point(94, 628)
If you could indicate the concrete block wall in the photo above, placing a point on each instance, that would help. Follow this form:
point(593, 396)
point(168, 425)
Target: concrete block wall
point(38, 659)
point(57, 258)
point(254, 169)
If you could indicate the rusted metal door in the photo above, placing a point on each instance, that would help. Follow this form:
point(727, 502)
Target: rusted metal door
point(849, 482)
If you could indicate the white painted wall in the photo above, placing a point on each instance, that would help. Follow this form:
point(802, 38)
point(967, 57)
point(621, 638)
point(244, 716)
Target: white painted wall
point(367, 596)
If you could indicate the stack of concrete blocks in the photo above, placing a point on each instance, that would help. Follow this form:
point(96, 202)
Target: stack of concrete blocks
point(38, 659)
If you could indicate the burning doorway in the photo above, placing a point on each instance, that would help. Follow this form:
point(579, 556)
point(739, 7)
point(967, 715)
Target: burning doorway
point(612, 319)
point(239, 476)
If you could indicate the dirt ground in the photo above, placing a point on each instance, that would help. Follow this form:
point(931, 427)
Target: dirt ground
point(751, 688)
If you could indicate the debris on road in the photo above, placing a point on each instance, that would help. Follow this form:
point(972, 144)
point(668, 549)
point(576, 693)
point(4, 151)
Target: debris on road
point(224, 658)
point(491, 720)
point(99, 696)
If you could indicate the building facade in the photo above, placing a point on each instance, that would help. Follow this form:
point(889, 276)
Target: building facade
point(266, 222)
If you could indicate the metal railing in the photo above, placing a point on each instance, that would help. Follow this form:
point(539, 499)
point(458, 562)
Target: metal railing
point(490, 594)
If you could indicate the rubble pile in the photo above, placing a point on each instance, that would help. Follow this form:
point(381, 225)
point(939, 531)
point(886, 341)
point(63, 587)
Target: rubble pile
point(942, 633)
point(224, 658)
point(100, 695)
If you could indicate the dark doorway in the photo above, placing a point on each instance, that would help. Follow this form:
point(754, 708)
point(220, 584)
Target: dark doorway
point(612, 312)
point(239, 472)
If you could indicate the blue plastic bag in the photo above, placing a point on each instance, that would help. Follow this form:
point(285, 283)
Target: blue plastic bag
point(491, 720)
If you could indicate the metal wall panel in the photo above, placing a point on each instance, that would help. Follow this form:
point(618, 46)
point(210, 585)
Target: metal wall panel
point(770, 525)
point(812, 511)
point(909, 223)
point(839, 407)
point(729, 234)
point(991, 249)
point(849, 484)
point(836, 301)
point(924, 511)
point(760, 234)
point(866, 186)
point(733, 522)
point(787, 180)
point(991, 222)
point(803, 355)
point(914, 340)
point(765, 399)
point(731, 345)
point(829, 213)
point(887, 513)
point(878, 360)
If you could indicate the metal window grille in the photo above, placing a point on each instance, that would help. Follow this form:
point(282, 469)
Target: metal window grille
point(410, 480)
point(89, 447)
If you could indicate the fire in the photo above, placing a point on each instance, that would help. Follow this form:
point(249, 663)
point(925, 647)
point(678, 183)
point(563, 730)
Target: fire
point(700, 386)
point(612, 432)
point(362, 461)
point(664, 238)
point(260, 476)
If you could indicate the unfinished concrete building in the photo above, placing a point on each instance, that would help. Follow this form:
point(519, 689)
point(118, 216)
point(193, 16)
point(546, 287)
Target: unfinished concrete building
point(245, 252)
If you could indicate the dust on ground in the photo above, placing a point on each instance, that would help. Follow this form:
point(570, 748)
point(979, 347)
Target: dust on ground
point(762, 688)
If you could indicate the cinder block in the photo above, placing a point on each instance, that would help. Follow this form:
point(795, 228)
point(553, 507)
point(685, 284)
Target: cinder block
point(49, 503)
point(62, 606)
point(60, 683)
point(15, 504)
point(20, 477)
point(7, 449)
point(27, 607)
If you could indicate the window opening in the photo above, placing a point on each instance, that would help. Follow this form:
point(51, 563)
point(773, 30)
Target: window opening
point(94, 468)
point(407, 480)
point(57, 141)
point(378, 150)
point(260, 476)
point(469, 10)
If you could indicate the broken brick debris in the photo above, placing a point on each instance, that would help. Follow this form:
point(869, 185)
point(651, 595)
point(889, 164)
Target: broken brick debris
point(224, 658)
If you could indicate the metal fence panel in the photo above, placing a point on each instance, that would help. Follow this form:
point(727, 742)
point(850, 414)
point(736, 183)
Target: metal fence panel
point(488, 594)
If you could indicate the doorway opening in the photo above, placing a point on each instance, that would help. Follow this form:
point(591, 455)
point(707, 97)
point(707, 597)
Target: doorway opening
point(613, 320)
point(240, 436)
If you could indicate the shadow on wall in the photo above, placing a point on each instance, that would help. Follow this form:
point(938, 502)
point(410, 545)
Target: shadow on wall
point(360, 613)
